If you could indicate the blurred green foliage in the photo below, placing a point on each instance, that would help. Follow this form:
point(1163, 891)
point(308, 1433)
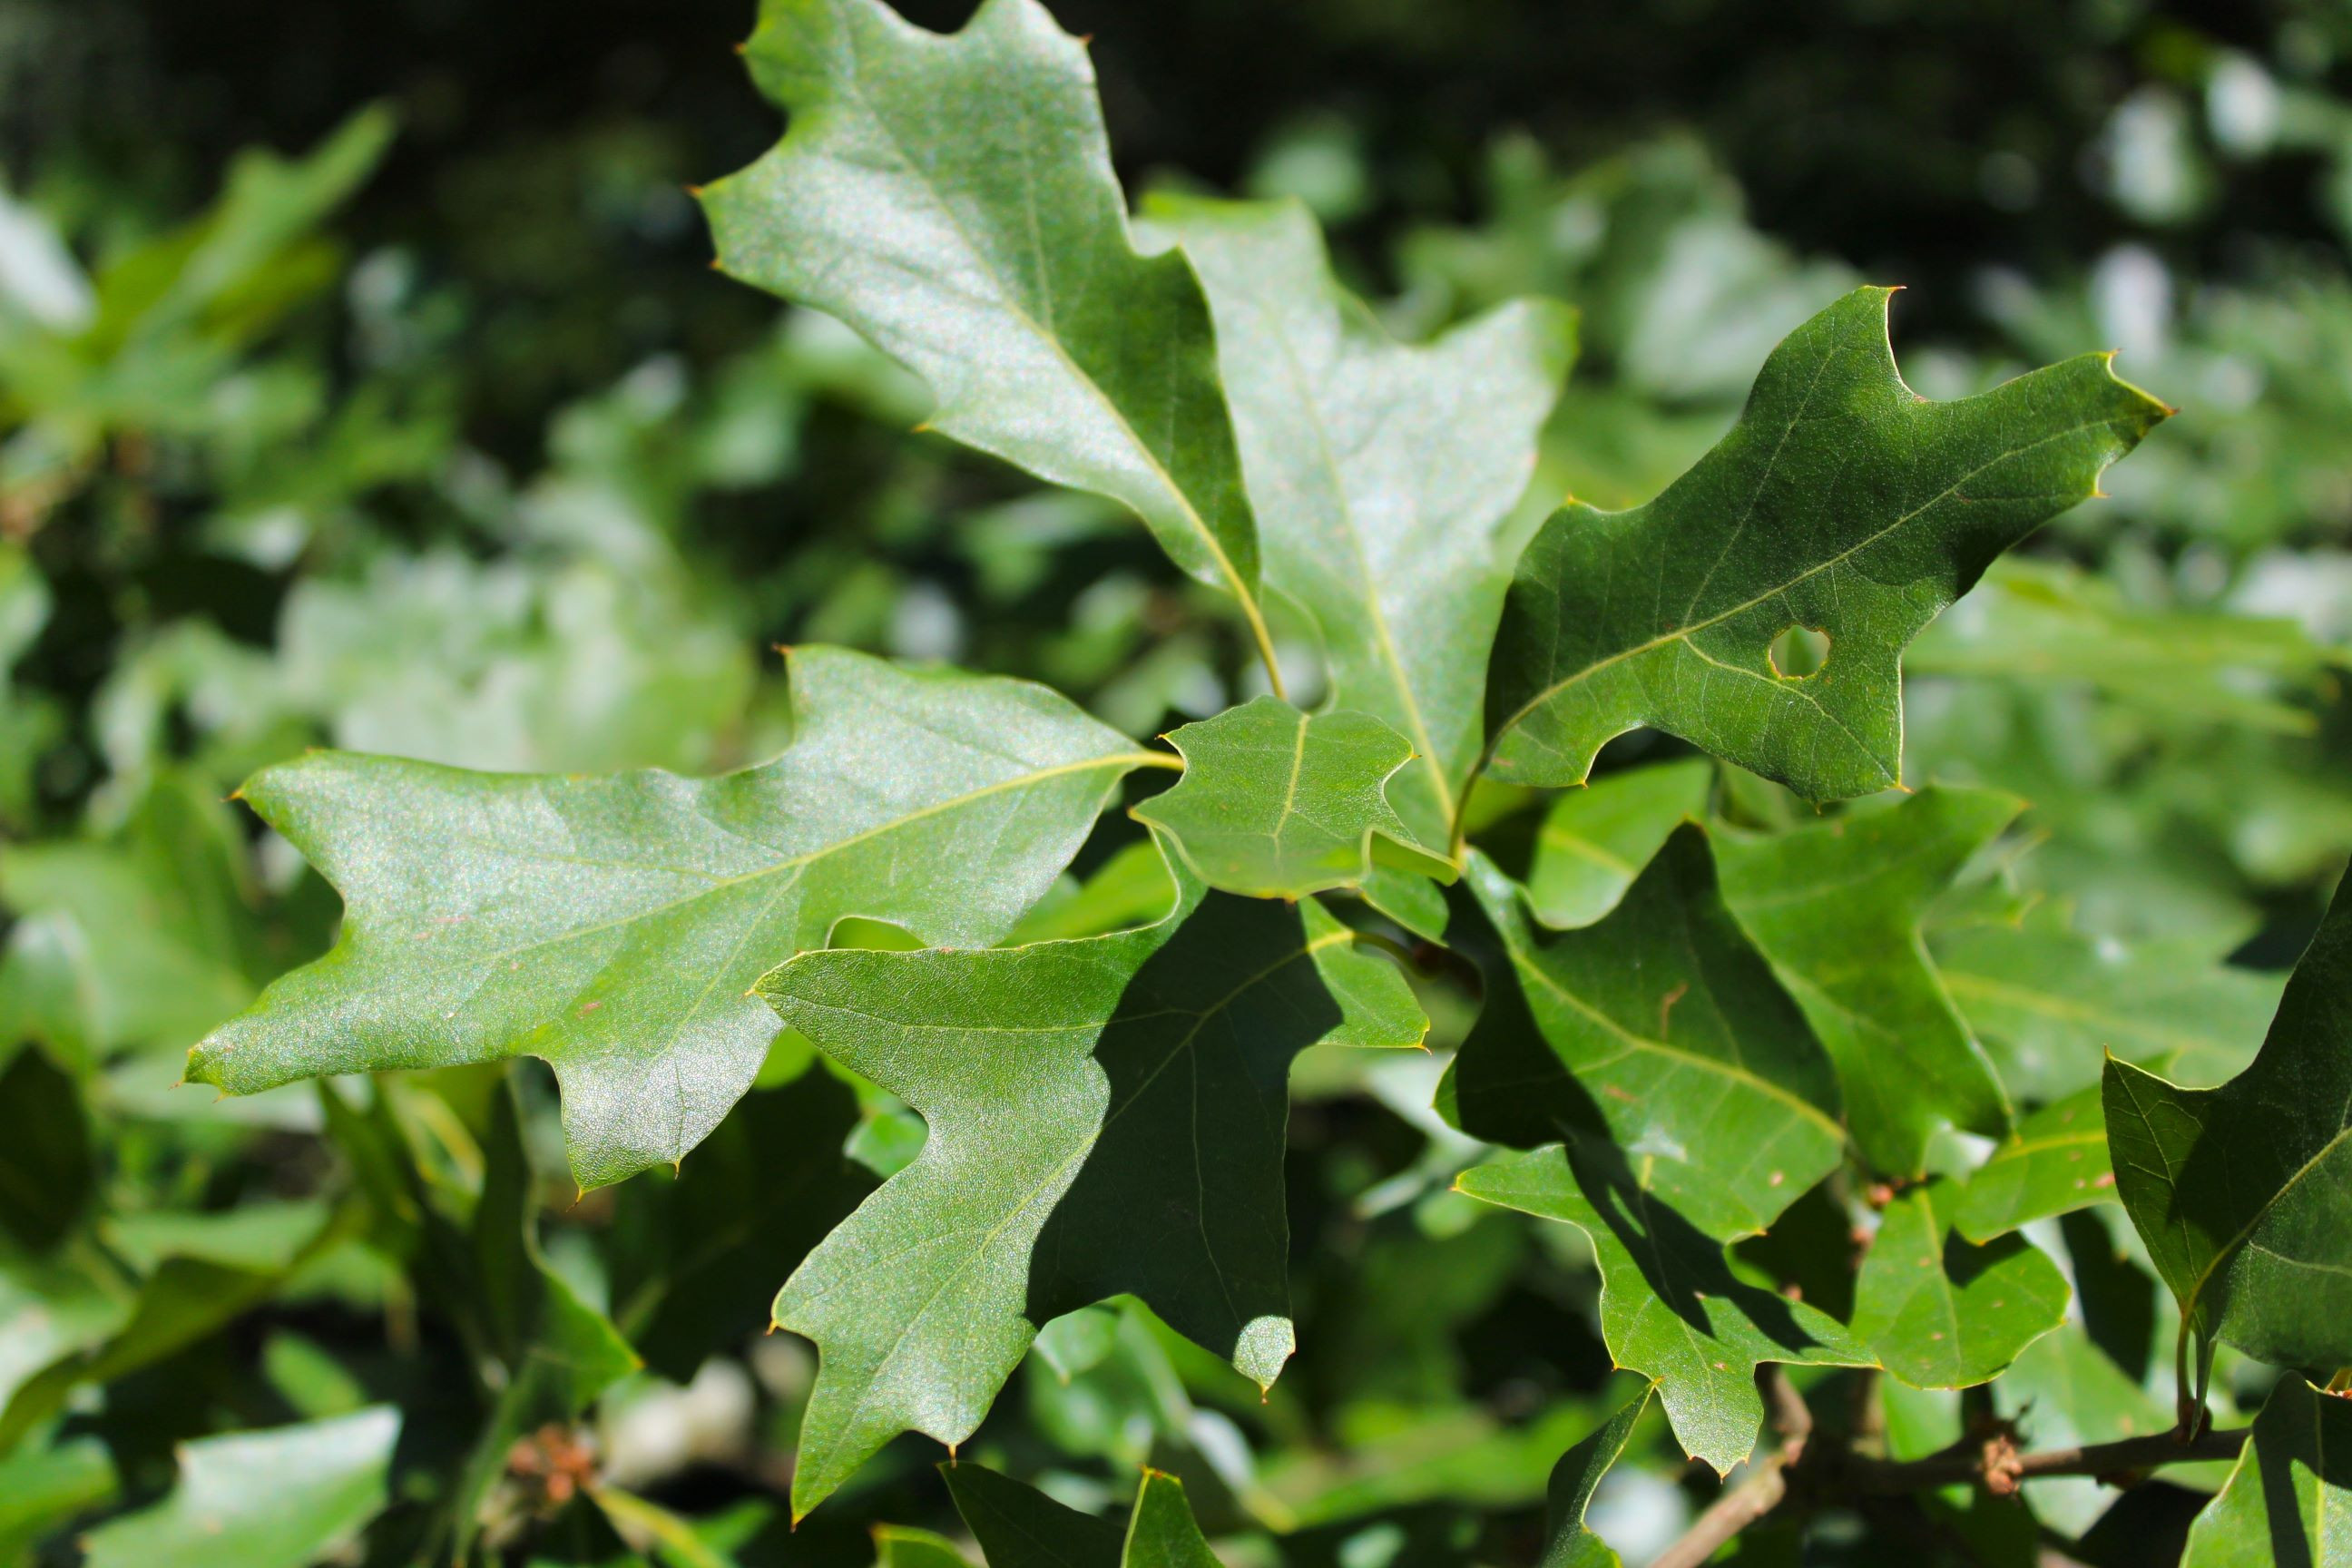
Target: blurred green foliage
point(421, 427)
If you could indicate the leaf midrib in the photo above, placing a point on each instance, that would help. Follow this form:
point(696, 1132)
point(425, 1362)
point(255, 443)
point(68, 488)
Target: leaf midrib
point(1121, 760)
point(1011, 304)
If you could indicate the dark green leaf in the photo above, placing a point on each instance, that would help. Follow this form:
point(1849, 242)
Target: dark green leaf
point(2287, 1501)
point(1569, 1544)
point(1107, 1115)
point(1020, 1527)
point(1942, 1312)
point(280, 1499)
point(1836, 908)
point(1671, 1309)
point(1381, 474)
point(614, 925)
point(1595, 840)
point(2243, 1194)
point(952, 198)
point(1279, 804)
point(695, 1256)
point(1666, 1028)
point(185, 1300)
point(1843, 503)
point(2056, 1161)
point(45, 1169)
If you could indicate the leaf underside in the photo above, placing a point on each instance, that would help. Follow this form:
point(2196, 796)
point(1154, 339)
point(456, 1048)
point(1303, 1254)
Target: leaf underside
point(951, 197)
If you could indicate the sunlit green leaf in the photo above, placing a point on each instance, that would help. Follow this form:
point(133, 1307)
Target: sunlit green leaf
point(2051, 1003)
point(1595, 840)
point(952, 198)
point(1279, 804)
point(1570, 1543)
point(614, 926)
point(1381, 474)
point(1663, 1025)
point(2288, 1499)
point(1671, 1308)
point(1836, 908)
point(2056, 1161)
point(1943, 1312)
point(1842, 503)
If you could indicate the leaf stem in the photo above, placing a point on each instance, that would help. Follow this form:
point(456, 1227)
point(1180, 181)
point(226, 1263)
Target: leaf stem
point(1264, 638)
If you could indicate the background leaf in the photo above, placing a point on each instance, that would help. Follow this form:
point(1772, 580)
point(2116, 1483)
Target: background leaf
point(282, 1498)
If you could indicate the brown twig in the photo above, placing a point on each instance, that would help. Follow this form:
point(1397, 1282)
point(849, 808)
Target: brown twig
point(1825, 1473)
point(1966, 1465)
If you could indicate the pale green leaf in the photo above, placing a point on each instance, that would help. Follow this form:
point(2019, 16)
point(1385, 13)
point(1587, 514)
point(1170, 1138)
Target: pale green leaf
point(1942, 1312)
point(952, 198)
point(1595, 840)
point(1843, 503)
point(1570, 1543)
point(2042, 622)
point(673, 1541)
point(283, 1498)
point(1836, 908)
point(1671, 1308)
point(1381, 474)
point(614, 926)
point(2289, 1500)
point(1106, 1116)
point(43, 1489)
point(2243, 1194)
point(2051, 1003)
point(1662, 1025)
point(2056, 1162)
point(1279, 804)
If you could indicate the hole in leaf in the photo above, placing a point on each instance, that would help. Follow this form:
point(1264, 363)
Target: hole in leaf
point(1799, 652)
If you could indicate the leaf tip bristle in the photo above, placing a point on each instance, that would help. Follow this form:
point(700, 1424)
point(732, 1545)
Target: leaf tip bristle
point(921, 428)
point(693, 190)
